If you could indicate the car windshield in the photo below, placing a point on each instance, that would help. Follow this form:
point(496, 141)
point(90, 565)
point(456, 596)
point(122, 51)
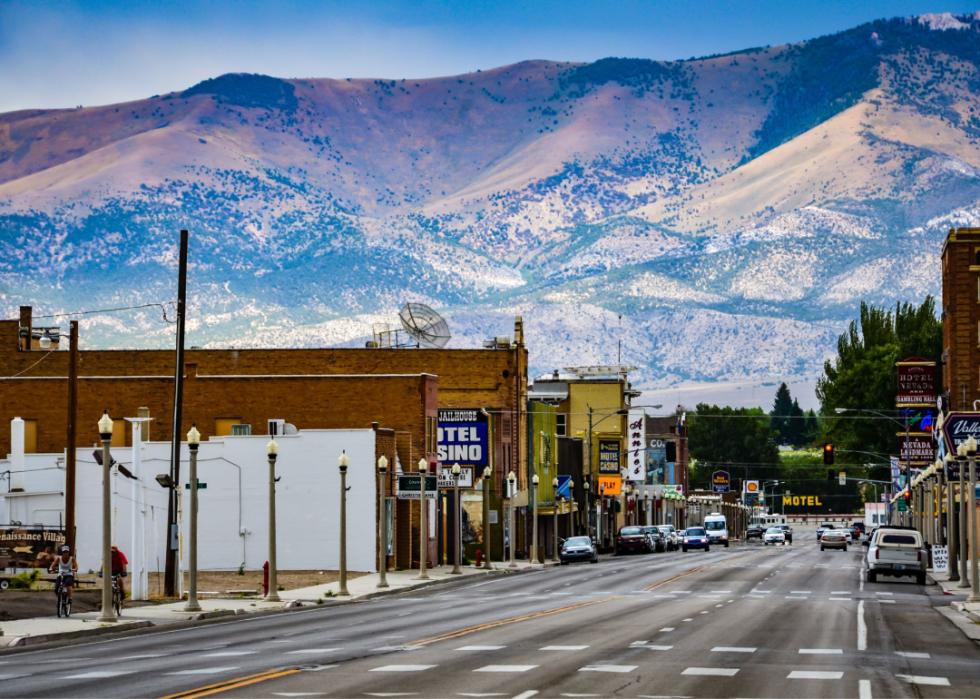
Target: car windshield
point(826, 526)
point(578, 541)
point(714, 526)
point(694, 531)
point(630, 531)
point(784, 527)
point(774, 530)
point(665, 530)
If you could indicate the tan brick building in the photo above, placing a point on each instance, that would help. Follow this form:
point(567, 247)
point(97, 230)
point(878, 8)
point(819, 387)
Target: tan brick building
point(961, 318)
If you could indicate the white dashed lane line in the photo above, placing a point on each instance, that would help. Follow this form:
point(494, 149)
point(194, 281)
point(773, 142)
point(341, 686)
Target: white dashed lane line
point(480, 648)
point(505, 668)
point(910, 654)
point(563, 648)
point(814, 675)
point(608, 668)
point(821, 651)
point(733, 649)
point(204, 671)
point(924, 680)
point(711, 671)
point(401, 668)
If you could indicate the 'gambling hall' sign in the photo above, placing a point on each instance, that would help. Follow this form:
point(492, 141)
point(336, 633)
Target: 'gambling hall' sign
point(463, 436)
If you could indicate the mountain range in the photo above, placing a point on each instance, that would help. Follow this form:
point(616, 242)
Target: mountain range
point(713, 221)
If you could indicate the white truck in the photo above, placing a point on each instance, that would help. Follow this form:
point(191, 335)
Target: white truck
point(875, 515)
point(717, 527)
point(896, 552)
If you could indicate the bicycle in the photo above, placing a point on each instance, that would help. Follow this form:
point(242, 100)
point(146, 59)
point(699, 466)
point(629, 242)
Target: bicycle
point(117, 593)
point(63, 600)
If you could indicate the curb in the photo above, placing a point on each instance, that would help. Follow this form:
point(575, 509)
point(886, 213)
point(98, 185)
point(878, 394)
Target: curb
point(20, 641)
point(961, 608)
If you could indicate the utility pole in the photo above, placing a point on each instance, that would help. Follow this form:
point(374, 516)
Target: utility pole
point(170, 570)
point(72, 439)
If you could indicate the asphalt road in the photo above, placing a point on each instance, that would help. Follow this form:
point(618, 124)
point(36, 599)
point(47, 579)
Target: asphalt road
point(749, 621)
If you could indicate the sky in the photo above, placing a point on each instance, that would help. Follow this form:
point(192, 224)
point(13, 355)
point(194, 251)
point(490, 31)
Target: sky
point(68, 53)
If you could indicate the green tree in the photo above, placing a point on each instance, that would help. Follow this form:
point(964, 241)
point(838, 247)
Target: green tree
point(719, 437)
point(781, 415)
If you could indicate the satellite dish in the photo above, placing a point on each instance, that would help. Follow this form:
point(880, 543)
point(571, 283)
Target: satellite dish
point(425, 325)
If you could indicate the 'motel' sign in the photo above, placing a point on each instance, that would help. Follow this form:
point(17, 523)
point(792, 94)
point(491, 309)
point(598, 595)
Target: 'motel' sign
point(463, 437)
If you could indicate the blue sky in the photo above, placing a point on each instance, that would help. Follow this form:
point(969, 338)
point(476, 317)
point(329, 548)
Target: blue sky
point(60, 54)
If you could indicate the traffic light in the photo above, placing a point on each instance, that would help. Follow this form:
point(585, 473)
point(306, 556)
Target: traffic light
point(828, 454)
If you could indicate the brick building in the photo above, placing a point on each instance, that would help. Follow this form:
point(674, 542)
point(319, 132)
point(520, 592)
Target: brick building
point(961, 318)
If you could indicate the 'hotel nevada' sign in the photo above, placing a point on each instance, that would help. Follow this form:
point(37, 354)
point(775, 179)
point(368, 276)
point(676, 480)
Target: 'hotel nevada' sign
point(916, 382)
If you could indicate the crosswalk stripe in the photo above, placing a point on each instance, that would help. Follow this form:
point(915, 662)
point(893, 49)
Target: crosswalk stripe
point(733, 649)
point(608, 668)
point(814, 675)
point(505, 668)
point(924, 680)
point(711, 671)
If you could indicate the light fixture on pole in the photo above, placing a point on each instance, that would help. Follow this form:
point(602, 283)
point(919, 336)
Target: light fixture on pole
point(272, 452)
point(554, 512)
point(383, 523)
point(423, 524)
point(587, 486)
point(534, 517)
point(487, 474)
point(457, 527)
point(193, 442)
point(342, 463)
point(105, 433)
point(571, 507)
point(511, 480)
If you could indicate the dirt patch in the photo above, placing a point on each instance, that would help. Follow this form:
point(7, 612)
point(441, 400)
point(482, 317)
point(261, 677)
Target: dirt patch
point(25, 604)
point(222, 581)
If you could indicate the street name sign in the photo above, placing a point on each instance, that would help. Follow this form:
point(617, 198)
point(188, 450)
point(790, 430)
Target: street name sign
point(409, 486)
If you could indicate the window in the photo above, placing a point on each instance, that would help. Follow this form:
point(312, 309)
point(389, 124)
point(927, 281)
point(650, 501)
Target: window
point(119, 429)
point(222, 425)
point(30, 436)
point(561, 420)
point(431, 435)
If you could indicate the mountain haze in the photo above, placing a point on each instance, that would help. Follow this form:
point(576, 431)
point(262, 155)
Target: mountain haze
point(722, 216)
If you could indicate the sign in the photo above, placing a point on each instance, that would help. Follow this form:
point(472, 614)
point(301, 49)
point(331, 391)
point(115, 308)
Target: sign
point(463, 437)
point(916, 383)
point(656, 462)
point(409, 486)
point(957, 427)
point(636, 442)
point(673, 490)
point(750, 486)
point(842, 478)
point(609, 485)
point(446, 479)
point(201, 485)
point(564, 487)
point(802, 501)
point(940, 559)
point(608, 456)
point(916, 449)
point(25, 547)
point(721, 481)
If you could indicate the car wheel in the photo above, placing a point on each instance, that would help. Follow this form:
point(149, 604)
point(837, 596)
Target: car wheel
point(726, 544)
point(707, 548)
point(872, 576)
point(684, 548)
point(595, 560)
point(822, 548)
point(4, 584)
point(920, 578)
point(845, 547)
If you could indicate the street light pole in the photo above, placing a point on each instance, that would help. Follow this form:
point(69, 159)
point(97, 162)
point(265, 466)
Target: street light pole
point(342, 463)
point(193, 441)
point(456, 470)
point(554, 512)
point(571, 507)
point(588, 512)
point(971, 446)
point(952, 523)
point(423, 524)
point(534, 518)
point(964, 538)
point(272, 452)
point(105, 432)
point(383, 524)
point(511, 478)
point(487, 474)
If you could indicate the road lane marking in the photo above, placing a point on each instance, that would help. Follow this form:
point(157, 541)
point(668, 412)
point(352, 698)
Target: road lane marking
point(392, 694)
point(526, 695)
point(711, 671)
point(309, 651)
point(480, 648)
point(393, 649)
point(862, 628)
point(923, 679)
point(886, 601)
point(721, 592)
point(298, 694)
point(235, 683)
point(840, 599)
point(688, 619)
point(796, 597)
point(719, 606)
point(864, 689)
point(703, 611)
point(203, 671)
point(505, 668)
point(653, 647)
point(141, 657)
point(608, 668)
point(401, 668)
point(840, 592)
point(559, 648)
point(801, 592)
point(821, 651)
point(481, 694)
point(889, 594)
point(814, 675)
point(98, 674)
point(229, 653)
point(733, 649)
point(667, 629)
point(910, 654)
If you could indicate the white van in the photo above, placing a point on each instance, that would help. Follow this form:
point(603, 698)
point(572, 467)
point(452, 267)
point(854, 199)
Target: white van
point(717, 527)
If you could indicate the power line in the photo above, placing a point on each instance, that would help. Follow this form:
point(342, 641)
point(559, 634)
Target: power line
point(161, 306)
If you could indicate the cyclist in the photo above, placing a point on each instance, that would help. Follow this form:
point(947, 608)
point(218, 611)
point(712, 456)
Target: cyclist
point(119, 564)
point(66, 566)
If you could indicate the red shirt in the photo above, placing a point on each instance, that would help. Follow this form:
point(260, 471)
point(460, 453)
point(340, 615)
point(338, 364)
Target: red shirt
point(119, 562)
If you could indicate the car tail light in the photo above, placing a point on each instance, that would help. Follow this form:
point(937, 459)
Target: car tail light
point(877, 554)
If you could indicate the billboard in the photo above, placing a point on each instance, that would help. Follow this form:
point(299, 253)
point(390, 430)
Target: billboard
point(721, 481)
point(656, 462)
point(463, 437)
point(609, 456)
point(636, 446)
point(27, 547)
point(916, 449)
point(916, 382)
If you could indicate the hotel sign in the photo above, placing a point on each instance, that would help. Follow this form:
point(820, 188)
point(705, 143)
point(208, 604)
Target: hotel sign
point(916, 383)
point(608, 456)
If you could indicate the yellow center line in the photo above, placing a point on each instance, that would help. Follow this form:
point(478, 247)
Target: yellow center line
point(661, 583)
point(218, 687)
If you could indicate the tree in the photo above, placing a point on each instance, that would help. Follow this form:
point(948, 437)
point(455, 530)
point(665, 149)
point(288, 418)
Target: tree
point(719, 437)
point(781, 414)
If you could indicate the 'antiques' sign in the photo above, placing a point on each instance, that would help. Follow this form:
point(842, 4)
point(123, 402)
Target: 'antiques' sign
point(916, 383)
point(463, 437)
point(608, 456)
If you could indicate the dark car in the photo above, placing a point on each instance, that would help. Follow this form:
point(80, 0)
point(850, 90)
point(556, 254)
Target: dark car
point(632, 540)
point(658, 540)
point(695, 538)
point(755, 531)
point(578, 548)
point(787, 532)
point(857, 529)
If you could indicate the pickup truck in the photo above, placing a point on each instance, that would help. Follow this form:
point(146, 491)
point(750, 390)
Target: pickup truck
point(896, 552)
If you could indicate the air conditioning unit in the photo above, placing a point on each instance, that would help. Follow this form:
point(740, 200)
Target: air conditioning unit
point(277, 427)
point(241, 430)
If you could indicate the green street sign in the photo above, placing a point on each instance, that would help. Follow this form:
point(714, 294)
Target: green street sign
point(201, 485)
point(902, 507)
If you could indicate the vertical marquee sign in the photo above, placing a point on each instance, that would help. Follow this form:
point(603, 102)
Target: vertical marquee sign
point(915, 398)
point(636, 469)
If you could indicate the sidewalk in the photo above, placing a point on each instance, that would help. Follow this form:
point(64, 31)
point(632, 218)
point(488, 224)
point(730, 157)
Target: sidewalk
point(46, 629)
point(966, 615)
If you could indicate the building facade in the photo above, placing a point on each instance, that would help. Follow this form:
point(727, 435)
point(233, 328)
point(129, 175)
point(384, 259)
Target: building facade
point(961, 318)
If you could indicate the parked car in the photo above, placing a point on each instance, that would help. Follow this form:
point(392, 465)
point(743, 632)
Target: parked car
point(578, 548)
point(671, 536)
point(632, 540)
point(855, 532)
point(896, 552)
point(774, 535)
point(860, 526)
point(822, 528)
point(787, 532)
point(658, 543)
point(695, 538)
point(755, 531)
point(834, 539)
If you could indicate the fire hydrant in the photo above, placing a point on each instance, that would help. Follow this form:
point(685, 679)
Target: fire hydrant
point(479, 558)
point(265, 579)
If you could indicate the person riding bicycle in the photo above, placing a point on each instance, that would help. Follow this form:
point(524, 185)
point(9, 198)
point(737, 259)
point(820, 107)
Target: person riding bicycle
point(119, 564)
point(66, 567)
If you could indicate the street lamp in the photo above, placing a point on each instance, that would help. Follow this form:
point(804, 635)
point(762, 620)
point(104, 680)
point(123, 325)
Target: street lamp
point(423, 524)
point(193, 442)
point(272, 452)
point(571, 507)
point(971, 452)
point(456, 470)
point(961, 459)
point(383, 526)
point(534, 518)
point(342, 463)
point(511, 479)
point(487, 474)
point(588, 512)
point(952, 524)
point(105, 432)
point(554, 512)
point(626, 502)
